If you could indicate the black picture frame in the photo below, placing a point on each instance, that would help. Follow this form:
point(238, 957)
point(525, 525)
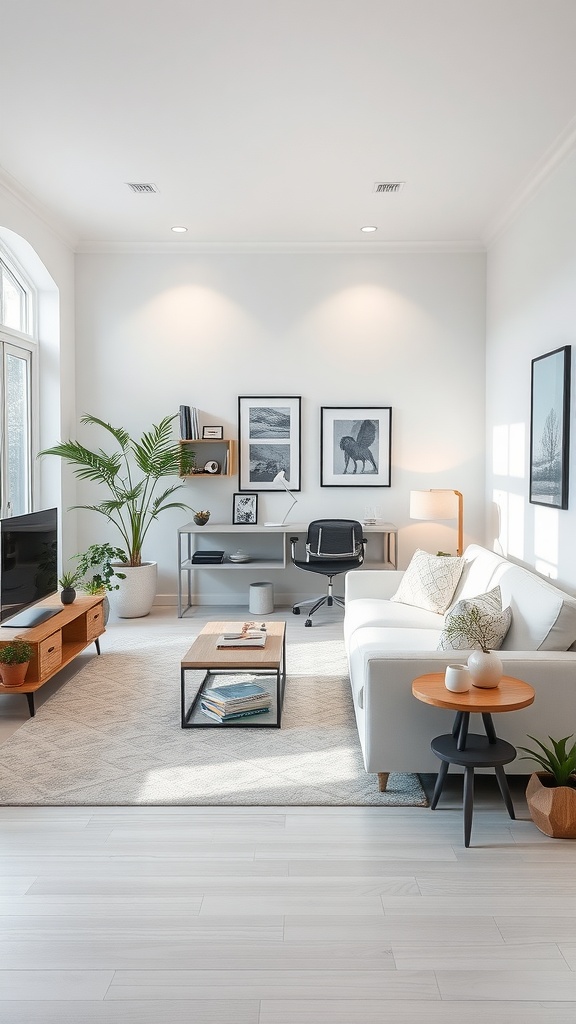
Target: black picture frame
point(244, 509)
point(550, 428)
point(269, 441)
point(213, 433)
point(355, 446)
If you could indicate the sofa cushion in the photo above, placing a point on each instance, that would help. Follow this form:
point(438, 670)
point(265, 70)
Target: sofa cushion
point(429, 581)
point(493, 619)
point(367, 611)
point(375, 642)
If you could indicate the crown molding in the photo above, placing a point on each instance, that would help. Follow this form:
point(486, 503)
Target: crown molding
point(17, 192)
point(560, 149)
point(369, 248)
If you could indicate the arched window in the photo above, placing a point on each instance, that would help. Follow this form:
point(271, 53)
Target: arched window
point(17, 357)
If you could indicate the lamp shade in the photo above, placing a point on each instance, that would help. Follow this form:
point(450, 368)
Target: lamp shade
point(435, 504)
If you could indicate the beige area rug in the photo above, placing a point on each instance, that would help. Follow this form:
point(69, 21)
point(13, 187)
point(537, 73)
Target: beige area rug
point(111, 736)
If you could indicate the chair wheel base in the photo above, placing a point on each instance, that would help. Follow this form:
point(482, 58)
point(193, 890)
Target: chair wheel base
point(308, 622)
point(295, 611)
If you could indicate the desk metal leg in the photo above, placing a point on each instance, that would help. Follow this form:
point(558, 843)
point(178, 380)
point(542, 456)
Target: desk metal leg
point(468, 803)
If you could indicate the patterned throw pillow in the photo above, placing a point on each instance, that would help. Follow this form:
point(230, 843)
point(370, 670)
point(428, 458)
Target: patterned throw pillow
point(494, 619)
point(429, 581)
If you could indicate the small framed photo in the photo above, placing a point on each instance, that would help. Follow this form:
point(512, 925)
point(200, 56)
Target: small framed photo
point(355, 446)
point(212, 433)
point(244, 509)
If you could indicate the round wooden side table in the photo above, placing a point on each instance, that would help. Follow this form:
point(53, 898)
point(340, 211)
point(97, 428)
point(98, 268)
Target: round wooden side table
point(469, 750)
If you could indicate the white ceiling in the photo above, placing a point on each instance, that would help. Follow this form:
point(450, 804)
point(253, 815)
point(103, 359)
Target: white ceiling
point(268, 121)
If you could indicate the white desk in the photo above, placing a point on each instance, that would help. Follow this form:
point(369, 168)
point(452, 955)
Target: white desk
point(271, 545)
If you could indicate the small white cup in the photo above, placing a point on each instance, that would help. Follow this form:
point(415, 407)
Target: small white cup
point(457, 678)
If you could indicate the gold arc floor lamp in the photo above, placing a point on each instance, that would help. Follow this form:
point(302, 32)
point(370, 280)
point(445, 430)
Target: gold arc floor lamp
point(439, 504)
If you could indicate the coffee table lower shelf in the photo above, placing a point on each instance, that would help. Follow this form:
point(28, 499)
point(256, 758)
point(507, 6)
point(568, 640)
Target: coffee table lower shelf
point(216, 665)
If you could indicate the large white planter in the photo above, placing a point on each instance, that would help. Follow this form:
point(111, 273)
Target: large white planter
point(136, 593)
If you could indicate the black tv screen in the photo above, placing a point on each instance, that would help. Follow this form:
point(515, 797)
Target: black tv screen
point(28, 563)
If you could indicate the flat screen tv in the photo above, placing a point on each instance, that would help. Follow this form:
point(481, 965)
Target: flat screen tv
point(28, 567)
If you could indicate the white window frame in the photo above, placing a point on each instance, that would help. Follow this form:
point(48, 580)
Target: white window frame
point(22, 345)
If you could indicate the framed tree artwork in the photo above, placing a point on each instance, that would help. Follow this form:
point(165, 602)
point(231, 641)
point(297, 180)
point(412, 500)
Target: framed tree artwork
point(244, 509)
point(355, 446)
point(268, 442)
point(550, 428)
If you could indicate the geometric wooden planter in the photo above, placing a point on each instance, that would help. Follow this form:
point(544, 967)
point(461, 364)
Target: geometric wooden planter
point(552, 808)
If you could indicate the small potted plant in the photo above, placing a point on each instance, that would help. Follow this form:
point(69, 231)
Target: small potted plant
point(97, 573)
point(201, 518)
point(551, 793)
point(14, 660)
point(473, 628)
point(68, 581)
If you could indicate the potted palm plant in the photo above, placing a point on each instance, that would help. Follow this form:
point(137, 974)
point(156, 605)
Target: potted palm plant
point(551, 793)
point(68, 581)
point(14, 660)
point(131, 474)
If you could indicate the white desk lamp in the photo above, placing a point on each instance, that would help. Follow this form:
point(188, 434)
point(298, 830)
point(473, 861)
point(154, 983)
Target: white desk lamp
point(280, 478)
point(439, 504)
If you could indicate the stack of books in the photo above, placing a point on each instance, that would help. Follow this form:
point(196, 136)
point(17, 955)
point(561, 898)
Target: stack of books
point(189, 423)
point(207, 557)
point(236, 700)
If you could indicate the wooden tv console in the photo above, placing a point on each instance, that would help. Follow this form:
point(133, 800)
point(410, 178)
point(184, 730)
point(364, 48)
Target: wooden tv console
point(57, 641)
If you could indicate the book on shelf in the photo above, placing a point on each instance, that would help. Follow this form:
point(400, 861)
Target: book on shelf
point(185, 423)
point(251, 638)
point(234, 717)
point(194, 425)
point(237, 706)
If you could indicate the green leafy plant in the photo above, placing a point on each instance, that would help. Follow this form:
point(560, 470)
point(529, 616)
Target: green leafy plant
point(95, 568)
point(69, 579)
point(557, 761)
point(17, 652)
point(131, 473)
point(471, 626)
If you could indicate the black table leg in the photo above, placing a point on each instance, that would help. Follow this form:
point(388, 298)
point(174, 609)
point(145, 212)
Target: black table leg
point(489, 726)
point(468, 803)
point(504, 789)
point(30, 699)
point(442, 772)
point(463, 731)
point(97, 643)
point(457, 723)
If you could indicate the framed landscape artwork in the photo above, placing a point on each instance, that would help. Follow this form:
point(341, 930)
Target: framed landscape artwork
point(244, 509)
point(268, 442)
point(355, 446)
point(550, 428)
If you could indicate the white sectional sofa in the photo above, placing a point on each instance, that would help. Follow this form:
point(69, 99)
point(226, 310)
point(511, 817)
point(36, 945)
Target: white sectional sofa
point(388, 644)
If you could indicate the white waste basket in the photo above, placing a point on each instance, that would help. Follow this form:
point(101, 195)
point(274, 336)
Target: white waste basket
point(261, 599)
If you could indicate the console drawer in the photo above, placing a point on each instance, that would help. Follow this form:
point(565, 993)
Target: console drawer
point(49, 655)
point(94, 622)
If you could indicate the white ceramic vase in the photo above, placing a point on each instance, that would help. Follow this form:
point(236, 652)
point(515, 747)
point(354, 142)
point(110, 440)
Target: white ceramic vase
point(136, 593)
point(485, 668)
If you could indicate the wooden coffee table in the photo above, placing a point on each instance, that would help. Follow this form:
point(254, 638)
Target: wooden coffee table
point(215, 662)
point(466, 749)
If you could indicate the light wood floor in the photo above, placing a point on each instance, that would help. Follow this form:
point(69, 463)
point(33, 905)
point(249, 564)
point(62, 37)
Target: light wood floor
point(298, 915)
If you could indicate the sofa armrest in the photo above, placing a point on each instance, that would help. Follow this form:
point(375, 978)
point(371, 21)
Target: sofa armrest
point(375, 583)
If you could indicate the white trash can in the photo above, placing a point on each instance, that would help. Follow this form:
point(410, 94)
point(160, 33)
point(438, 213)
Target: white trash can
point(261, 598)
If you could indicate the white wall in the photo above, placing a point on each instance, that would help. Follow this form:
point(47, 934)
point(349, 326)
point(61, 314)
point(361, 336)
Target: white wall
point(531, 310)
point(156, 331)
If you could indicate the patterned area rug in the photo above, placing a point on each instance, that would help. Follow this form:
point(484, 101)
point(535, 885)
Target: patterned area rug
point(111, 736)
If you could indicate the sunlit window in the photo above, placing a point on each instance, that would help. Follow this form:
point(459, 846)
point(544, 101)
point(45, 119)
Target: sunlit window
point(17, 352)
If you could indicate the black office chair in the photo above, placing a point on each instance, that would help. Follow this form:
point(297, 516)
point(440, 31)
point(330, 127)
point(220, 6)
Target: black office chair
point(333, 547)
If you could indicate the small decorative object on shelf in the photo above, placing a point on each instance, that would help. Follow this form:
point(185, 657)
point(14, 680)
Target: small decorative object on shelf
point(68, 581)
point(212, 466)
point(212, 433)
point(14, 660)
point(201, 518)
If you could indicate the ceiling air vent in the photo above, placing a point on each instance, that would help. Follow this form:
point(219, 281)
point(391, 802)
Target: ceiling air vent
point(138, 186)
point(388, 186)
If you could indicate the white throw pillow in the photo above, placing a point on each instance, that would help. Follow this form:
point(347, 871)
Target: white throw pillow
point(429, 581)
point(494, 619)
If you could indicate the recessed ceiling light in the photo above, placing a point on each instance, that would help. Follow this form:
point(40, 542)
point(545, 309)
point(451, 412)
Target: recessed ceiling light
point(369, 227)
point(179, 228)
